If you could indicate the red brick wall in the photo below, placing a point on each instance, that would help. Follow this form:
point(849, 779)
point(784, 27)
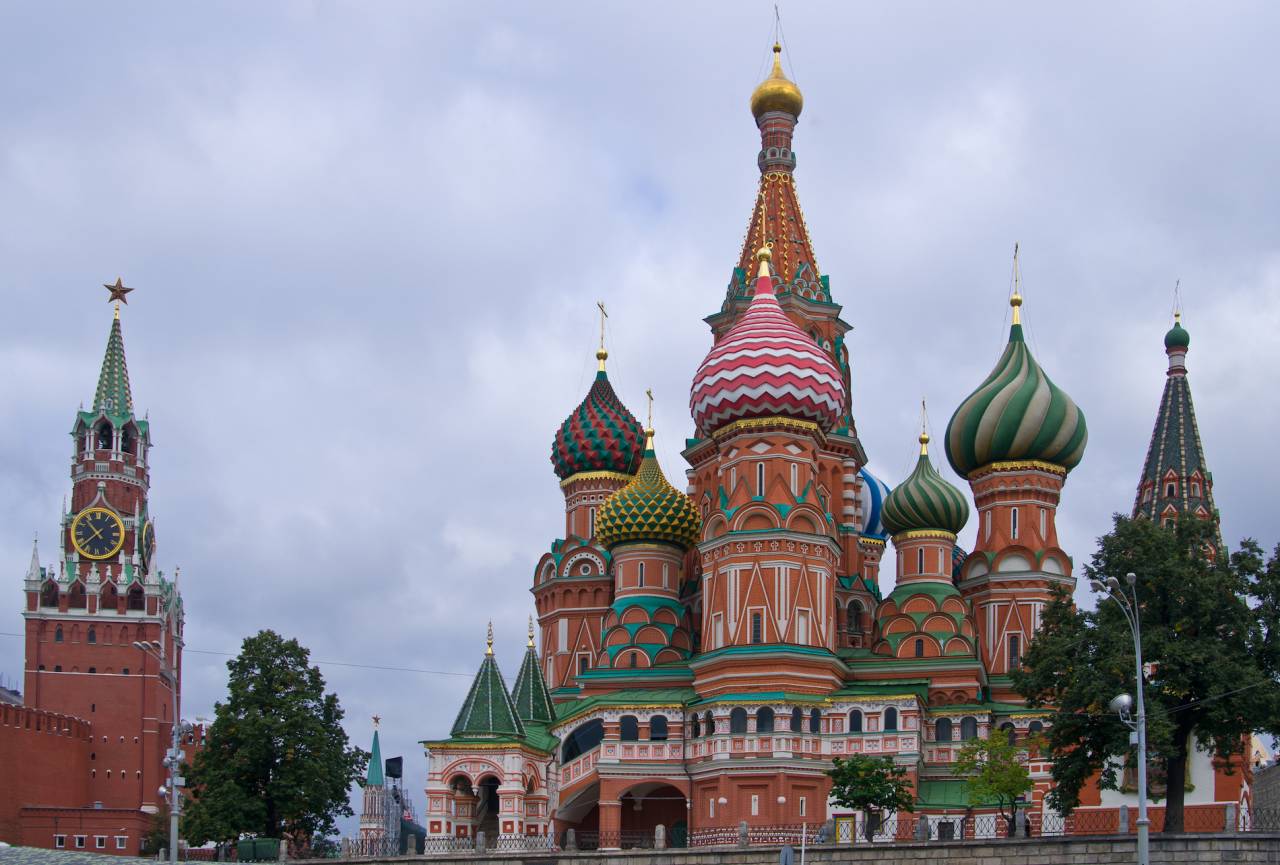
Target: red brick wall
point(44, 759)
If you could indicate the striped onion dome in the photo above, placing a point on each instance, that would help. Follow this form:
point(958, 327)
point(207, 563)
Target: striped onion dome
point(600, 435)
point(648, 509)
point(925, 501)
point(765, 366)
point(1016, 414)
point(871, 505)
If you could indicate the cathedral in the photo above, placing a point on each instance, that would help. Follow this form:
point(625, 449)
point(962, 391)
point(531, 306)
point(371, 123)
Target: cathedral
point(701, 656)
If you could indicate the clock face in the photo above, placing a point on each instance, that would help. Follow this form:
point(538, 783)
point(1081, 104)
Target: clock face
point(148, 543)
point(97, 533)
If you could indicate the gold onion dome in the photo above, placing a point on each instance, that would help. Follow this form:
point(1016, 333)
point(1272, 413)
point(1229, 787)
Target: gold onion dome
point(777, 92)
point(1016, 414)
point(649, 509)
point(925, 501)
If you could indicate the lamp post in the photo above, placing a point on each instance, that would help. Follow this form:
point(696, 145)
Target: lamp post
point(173, 757)
point(1122, 704)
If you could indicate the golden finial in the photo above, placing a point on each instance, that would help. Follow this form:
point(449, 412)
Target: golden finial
point(648, 430)
point(118, 292)
point(601, 354)
point(924, 430)
point(777, 92)
point(764, 255)
point(531, 632)
point(489, 641)
point(1016, 300)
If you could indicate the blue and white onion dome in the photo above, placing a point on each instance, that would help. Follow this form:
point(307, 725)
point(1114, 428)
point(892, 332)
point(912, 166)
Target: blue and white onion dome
point(871, 498)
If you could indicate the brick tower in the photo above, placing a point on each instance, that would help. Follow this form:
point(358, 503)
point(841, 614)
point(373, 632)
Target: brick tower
point(84, 615)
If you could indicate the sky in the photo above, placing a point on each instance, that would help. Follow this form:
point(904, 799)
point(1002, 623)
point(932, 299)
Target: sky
point(367, 242)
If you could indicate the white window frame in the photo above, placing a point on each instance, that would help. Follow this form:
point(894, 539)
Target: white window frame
point(711, 807)
point(1013, 524)
point(80, 841)
point(795, 479)
point(755, 805)
point(803, 810)
point(122, 842)
point(100, 842)
point(59, 842)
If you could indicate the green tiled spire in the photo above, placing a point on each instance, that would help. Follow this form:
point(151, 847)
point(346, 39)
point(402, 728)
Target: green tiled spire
point(530, 695)
point(113, 395)
point(374, 778)
point(488, 710)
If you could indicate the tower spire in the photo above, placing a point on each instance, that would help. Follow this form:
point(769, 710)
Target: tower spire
point(114, 395)
point(601, 354)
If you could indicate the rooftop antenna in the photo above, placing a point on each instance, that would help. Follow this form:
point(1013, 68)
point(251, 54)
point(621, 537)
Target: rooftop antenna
point(649, 393)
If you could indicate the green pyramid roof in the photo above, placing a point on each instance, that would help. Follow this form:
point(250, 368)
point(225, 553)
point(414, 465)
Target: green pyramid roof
point(113, 395)
point(488, 710)
point(374, 778)
point(533, 702)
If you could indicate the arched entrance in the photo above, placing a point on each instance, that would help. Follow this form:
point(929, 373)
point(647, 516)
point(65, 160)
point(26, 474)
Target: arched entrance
point(487, 806)
point(649, 805)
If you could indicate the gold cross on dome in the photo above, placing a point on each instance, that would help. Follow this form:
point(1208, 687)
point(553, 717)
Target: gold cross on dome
point(603, 316)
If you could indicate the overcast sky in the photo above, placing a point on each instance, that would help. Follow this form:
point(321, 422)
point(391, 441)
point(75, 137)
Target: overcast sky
point(368, 239)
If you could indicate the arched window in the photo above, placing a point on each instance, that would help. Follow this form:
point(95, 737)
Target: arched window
point(641, 578)
point(738, 720)
point(92, 635)
point(126, 440)
point(57, 634)
point(760, 480)
point(136, 600)
point(49, 594)
point(942, 730)
point(582, 740)
point(76, 597)
point(709, 721)
point(104, 436)
point(764, 720)
point(1035, 728)
point(1010, 733)
point(628, 728)
point(1170, 490)
point(815, 721)
point(1013, 523)
point(658, 728)
point(891, 718)
point(919, 647)
point(853, 618)
point(920, 560)
point(855, 721)
point(797, 720)
point(109, 595)
point(697, 726)
point(968, 729)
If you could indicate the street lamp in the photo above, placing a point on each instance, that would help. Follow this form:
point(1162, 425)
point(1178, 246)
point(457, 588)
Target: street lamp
point(172, 758)
point(1123, 704)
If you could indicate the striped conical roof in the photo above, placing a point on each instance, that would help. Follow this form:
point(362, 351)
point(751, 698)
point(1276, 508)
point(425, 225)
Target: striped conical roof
point(488, 710)
point(765, 366)
point(925, 501)
point(648, 509)
point(1016, 414)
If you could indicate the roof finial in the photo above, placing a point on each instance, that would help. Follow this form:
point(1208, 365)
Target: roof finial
point(648, 430)
point(530, 631)
point(118, 292)
point(489, 640)
point(377, 719)
point(1177, 302)
point(764, 255)
point(924, 430)
point(1015, 300)
point(601, 354)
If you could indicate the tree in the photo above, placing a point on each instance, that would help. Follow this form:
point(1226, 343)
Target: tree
point(276, 761)
point(873, 785)
point(1211, 640)
point(997, 773)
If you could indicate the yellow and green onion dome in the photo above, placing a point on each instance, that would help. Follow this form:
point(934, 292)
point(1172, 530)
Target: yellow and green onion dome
point(925, 501)
point(1017, 414)
point(1177, 337)
point(648, 510)
point(600, 435)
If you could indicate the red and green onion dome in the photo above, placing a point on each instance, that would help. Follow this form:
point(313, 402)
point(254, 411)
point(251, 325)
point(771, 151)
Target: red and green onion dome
point(1017, 414)
point(1177, 337)
point(600, 435)
point(765, 366)
point(648, 510)
point(925, 501)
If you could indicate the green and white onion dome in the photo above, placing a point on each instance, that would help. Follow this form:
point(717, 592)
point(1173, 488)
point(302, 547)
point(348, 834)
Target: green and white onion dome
point(1017, 414)
point(925, 501)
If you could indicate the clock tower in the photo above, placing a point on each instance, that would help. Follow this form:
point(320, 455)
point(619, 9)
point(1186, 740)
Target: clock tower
point(87, 614)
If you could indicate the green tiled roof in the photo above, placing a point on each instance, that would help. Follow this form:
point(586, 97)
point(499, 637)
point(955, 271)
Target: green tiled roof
point(488, 710)
point(627, 697)
point(374, 777)
point(113, 395)
point(533, 703)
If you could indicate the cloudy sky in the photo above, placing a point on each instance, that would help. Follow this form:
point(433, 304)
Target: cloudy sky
point(368, 240)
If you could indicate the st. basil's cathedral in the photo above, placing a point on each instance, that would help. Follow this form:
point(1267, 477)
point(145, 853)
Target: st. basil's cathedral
point(700, 657)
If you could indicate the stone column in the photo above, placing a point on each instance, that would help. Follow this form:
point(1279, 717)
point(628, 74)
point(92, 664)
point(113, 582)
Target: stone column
point(610, 824)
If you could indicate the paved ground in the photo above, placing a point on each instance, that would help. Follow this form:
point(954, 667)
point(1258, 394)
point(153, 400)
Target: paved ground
point(37, 856)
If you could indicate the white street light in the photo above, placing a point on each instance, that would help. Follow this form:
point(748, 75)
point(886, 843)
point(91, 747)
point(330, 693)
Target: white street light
point(1123, 704)
point(172, 758)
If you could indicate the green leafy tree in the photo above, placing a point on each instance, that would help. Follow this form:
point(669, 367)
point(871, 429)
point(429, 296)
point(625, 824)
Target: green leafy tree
point(1211, 640)
point(997, 773)
point(276, 761)
point(873, 785)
